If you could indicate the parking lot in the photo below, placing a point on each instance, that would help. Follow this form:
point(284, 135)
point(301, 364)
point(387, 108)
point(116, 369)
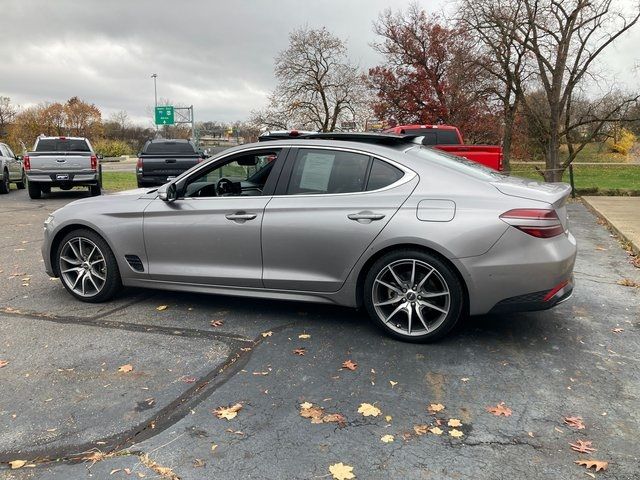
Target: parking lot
point(129, 389)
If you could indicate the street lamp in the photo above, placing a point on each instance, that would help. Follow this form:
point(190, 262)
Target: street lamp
point(155, 88)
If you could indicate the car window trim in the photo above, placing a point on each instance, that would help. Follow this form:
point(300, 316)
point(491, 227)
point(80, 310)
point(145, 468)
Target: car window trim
point(285, 176)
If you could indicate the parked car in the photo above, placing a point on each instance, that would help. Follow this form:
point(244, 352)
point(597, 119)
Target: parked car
point(63, 162)
point(449, 139)
point(10, 169)
point(416, 236)
point(163, 159)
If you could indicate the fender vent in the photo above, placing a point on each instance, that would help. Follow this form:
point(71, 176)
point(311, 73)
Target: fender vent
point(135, 262)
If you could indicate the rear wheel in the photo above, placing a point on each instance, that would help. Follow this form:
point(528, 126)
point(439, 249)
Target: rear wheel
point(34, 190)
point(87, 267)
point(4, 184)
point(413, 295)
point(23, 181)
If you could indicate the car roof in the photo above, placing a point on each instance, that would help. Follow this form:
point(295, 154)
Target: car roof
point(373, 148)
point(167, 140)
point(60, 137)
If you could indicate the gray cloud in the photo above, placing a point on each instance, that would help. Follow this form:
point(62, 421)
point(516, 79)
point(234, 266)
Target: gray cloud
point(217, 56)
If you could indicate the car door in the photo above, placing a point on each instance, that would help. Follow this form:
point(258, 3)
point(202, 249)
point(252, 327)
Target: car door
point(12, 164)
point(210, 237)
point(330, 206)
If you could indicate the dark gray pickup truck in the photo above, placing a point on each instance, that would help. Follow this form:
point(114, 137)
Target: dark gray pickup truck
point(162, 159)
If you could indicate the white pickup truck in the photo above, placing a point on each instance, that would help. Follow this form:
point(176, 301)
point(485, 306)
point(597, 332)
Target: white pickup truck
point(63, 162)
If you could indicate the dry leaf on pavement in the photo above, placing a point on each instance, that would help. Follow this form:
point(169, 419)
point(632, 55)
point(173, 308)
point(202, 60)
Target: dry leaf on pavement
point(198, 462)
point(455, 433)
point(162, 307)
point(306, 405)
point(454, 422)
point(125, 368)
point(582, 446)
point(421, 429)
point(387, 438)
point(349, 365)
point(575, 422)
point(267, 334)
point(217, 323)
point(300, 351)
point(368, 410)
point(436, 430)
point(597, 464)
point(15, 464)
point(617, 330)
point(340, 471)
point(3, 363)
point(500, 409)
point(228, 412)
point(435, 407)
point(304, 336)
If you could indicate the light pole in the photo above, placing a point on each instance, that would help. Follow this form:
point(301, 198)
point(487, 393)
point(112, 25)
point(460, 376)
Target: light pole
point(155, 95)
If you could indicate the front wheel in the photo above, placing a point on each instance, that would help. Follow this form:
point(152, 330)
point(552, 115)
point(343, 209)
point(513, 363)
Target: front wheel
point(413, 295)
point(87, 267)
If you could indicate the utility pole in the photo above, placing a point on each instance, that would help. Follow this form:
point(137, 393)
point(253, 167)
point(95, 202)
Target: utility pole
point(155, 93)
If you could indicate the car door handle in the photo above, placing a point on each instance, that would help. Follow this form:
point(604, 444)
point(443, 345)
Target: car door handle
point(365, 217)
point(241, 216)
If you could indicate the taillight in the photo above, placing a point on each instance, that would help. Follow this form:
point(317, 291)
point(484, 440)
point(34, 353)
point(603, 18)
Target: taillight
point(139, 165)
point(537, 222)
point(26, 161)
point(94, 162)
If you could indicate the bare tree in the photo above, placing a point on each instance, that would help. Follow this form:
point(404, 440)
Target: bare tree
point(7, 114)
point(565, 37)
point(500, 31)
point(317, 84)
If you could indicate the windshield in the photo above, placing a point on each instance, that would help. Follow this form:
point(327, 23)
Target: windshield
point(457, 163)
point(62, 145)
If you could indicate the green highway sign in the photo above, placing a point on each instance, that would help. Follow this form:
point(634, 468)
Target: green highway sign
point(164, 115)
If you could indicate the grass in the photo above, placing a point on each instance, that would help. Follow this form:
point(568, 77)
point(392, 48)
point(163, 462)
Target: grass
point(594, 179)
point(118, 181)
point(597, 152)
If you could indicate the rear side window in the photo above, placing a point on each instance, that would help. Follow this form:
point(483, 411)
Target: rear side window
point(170, 148)
point(62, 145)
point(382, 175)
point(328, 171)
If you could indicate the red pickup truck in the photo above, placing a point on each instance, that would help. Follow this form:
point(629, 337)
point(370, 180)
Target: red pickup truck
point(448, 139)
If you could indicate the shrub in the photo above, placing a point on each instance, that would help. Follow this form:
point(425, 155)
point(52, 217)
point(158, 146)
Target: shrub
point(112, 148)
point(624, 143)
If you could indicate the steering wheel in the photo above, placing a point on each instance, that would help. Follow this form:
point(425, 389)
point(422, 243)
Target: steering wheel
point(224, 186)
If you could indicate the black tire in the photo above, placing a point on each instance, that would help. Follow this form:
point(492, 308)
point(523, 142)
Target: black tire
point(442, 279)
point(23, 182)
point(113, 282)
point(45, 188)
point(34, 190)
point(5, 184)
point(95, 190)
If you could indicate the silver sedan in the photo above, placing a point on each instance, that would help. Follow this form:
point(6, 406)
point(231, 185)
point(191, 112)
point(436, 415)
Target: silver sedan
point(416, 237)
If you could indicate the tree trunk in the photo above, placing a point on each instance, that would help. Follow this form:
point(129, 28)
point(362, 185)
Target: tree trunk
point(506, 140)
point(553, 172)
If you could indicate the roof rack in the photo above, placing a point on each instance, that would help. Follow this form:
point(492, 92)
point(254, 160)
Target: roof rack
point(376, 138)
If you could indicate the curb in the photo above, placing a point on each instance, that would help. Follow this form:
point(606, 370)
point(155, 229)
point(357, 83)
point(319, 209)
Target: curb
point(635, 248)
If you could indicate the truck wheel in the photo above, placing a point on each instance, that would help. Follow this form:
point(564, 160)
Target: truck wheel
point(94, 190)
point(4, 184)
point(23, 180)
point(34, 190)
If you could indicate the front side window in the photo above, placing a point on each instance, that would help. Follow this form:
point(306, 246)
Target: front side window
point(241, 175)
point(328, 171)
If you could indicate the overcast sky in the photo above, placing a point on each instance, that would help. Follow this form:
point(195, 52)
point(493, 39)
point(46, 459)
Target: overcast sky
point(216, 55)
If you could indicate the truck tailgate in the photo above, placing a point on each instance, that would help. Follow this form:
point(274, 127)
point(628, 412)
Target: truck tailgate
point(59, 162)
point(167, 166)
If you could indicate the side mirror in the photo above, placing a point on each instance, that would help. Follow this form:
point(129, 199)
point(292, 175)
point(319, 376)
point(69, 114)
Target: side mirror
point(100, 156)
point(170, 194)
point(19, 157)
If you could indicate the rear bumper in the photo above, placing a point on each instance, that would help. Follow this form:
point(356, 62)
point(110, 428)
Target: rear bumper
point(532, 302)
point(62, 178)
point(151, 180)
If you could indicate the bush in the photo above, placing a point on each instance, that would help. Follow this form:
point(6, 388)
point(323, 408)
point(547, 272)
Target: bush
point(624, 143)
point(113, 148)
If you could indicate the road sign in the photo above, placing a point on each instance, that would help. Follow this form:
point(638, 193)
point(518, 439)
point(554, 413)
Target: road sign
point(164, 115)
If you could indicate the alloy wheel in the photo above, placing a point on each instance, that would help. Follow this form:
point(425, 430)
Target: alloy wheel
point(411, 297)
point(83, 267)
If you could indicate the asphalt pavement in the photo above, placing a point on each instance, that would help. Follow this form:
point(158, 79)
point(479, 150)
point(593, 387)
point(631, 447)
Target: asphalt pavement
point(130, 389)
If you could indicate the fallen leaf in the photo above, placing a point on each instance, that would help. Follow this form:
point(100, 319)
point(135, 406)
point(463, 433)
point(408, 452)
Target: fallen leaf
point(228, 412)
point(197, 463)
point(217, 323)
point(304, 336)
point(436, 430)
point(3, 363)
point(306, 405)
point(267, 334)
point(388, 418)
point(335, 418)
point(213, 447)
point(15, 464)
point(300, 351)
point(582, 446)
point(368, 410)
point(500, 409)
point(617, 330)
point(575, 422)
point(162, 308)
point(454, 422)
point(627, 282)
point(188, 379)
point(435, 407)
point(465, 379)
point(597, 464)
point(455, 433)
point(421, 429)
point(115, 470)
point(125, 368)
point(349, 365)
point(340, 471)
point(393, 384)
point(387, 438)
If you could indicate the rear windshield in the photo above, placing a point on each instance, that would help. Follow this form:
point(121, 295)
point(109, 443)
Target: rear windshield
point(62, 145)
point(434, 136)
point(173, 148)
point(457, 163)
